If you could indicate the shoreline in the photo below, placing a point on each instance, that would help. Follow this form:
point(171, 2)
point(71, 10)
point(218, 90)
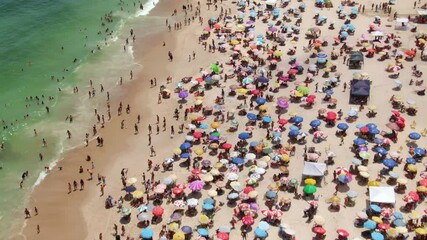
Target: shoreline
point(51, 185)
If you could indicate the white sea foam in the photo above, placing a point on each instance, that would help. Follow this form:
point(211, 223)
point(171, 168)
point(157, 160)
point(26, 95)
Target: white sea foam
point(130, 51)
point(147, 8)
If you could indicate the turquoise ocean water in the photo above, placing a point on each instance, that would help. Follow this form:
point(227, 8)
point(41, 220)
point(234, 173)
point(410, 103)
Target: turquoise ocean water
point(39, 41)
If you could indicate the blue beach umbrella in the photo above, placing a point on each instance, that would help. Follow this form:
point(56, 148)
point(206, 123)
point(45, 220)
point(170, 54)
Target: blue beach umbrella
point(244, 135)
point(381, 150)
point(375, 208)
point(398, 215)
point(344, 34)
point(130, 189)
point(293, 133)
point(209, 201)
point(390, 163)
point(270, 194)
point(315, 123)
point(238, 160)
point(266, 119)
point(185, 146)
point(378, 141)
point(260, 101)
point(185, 155)
point(254, 144)
point(411, 161)
point(374, 131)
point(293, 127)
point(203, 231)
point(370, 225)
point(399, 222)
point(377, 236)
point(297, 119)
point(371, 125)
point(419, 151)
point(208, 206)
point(263, 225)
point(359, 125)
point(251, 116)
point(260, 233)
point(187, 229)
point(342, 126)
point(147, 233)
point(262, 79)
point(359, 141)
point(204, 126)
point(329, 92)
point(414, 136)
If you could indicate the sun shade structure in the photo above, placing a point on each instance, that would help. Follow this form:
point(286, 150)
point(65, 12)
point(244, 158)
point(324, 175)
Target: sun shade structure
point(360, 91)
point(382, 194)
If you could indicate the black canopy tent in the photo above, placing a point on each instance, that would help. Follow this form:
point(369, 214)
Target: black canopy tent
point(356, 60)
point(360, 91)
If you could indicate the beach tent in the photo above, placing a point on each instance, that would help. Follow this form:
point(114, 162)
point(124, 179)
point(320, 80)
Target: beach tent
point(355, 60)
point(401, 24)
point(382, 195)
point(422, 16)
point(314, 169)
point(359, 91)
point(271, 4)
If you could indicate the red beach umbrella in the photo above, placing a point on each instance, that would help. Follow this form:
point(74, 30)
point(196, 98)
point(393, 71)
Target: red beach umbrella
point(248, 190)
point(342, 233)
point(283, 121)
point(226, 146)
point(331, 116)
point(223, 236)
point(364, 130)
point(177, 190)
point(319, 230)
point(158, 211)
point(423, 182)
point(410, 53)
point(197, 135)
point(383, 226)
point(196, 171)
point(248, 220)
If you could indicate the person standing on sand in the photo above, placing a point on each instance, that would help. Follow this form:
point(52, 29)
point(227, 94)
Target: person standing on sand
point(136, 129)
point(153, 152)
point(69, 188)
point(102, 189)
point(38, 229)
point(36, 211)
point(27, 213)
point(82, 185)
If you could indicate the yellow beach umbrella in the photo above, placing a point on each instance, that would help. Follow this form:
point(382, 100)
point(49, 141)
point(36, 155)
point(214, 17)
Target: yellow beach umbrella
point(179, 236)
point(173, 226)
point(292, 113)
point(234, 42)
point(421, 231)
point(218, 165)
point(198, 102)
point(421, 189)
point(212, 193)
point(137, 194)
point(198, 151)
point(392, 232)
point(402, 230)
point(242, 91)
point(372, 107)
point(285, 158)
point(334, 199)
point(373, 183)
point(377, 219)
point(203, 219)
point(177, 151)
point(414, 215)
point(215, 125)
point(215, 172)
point(310, 181)
point(262, 108)
point(412, 168)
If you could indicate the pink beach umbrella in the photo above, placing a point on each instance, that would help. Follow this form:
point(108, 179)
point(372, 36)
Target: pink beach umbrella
point(196, 186)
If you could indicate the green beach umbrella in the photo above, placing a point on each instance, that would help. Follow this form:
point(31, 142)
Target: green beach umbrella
point(303, 90)
point(310, 189)
point(215, 68)
point(215, 134)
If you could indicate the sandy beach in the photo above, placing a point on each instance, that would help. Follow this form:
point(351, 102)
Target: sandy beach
point(82, 214)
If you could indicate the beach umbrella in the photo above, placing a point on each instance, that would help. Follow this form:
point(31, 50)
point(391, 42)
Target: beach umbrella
point(263, 225)
point(187, 229)
point(369, 224)
point(196, 186)
point(419, 151)
point(352, 194)
point(130, 189)
point(356, 161)
point(377, 236)
point(342, 126)
point(345, 178)
point(244, 136)
point(203, 219)
point(215, 68)
point(362, 215)
point(387, 212)
point(310, 181)
point(143, 216)
point(364, 155)
point(414, 136)
point(260, 101)
point(310, 189)
point(359, 141)
point(252, 116)
point(179, 203)
point(183, 94)
point(319, 230)
point(293, 133)
point(178, 236)
point(399, 223)
point(315, 123)
point(390, 163)
point(375, 208)
point(352, 113)
point(411, 161)
point(267, 119)
point(203, 232)
point(147, 233)
point(236, 186)
point(381, 150)
point(303, 90)
point(342, 233)
point(158, 211)
point(248, 220)
point(137, 194)
point(185, 146)
point(238, 160)
point(297, 119)
point(319, 220)
point(260, 233)
point(270, 194)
